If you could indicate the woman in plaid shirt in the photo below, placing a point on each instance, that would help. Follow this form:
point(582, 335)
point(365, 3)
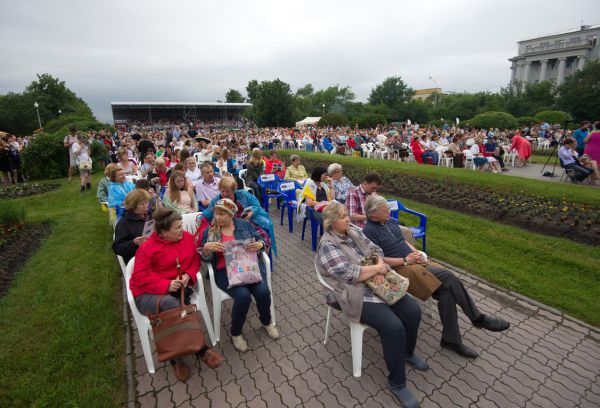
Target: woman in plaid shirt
point(339, 260)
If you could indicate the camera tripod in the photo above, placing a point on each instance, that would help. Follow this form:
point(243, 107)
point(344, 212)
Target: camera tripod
point(551, 173)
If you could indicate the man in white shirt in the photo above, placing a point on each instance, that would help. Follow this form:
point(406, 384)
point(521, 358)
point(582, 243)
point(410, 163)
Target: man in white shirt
point(68, 142)
point(208, 186)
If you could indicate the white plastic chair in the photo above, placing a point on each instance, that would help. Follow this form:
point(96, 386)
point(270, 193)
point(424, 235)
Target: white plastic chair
point(510, 156)
point(143, 323)
point(219, 296)
point(469, 159)
point(445, 161)
point(190, 222)
point(356, 334)
point(202, 157)
point(242, 175)
point(370, 149)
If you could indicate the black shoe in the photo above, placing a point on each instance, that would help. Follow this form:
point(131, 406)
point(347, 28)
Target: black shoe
point(88, 186)
point(491, 323)
point(82, 189)
point(460, 349)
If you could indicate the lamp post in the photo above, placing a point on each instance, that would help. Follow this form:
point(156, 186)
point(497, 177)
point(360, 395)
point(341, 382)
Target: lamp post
point(323, 106)
point(36, 106)
point(435, 94)
point(59, 112)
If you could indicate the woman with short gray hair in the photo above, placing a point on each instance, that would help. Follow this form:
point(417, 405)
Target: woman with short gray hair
point(340, 261)
point(296, 171)
point(341, 183)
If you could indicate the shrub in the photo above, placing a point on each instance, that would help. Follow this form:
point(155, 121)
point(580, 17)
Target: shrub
point(437, 123)
point(553, 117)
point(500, 120)
point(333, 119)
point(526, 120)
point(11, 213)
point(370, 120)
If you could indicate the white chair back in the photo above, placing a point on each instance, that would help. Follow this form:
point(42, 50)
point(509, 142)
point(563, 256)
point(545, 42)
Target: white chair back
point(321, 280)
point(190, 222)
point(393, 205)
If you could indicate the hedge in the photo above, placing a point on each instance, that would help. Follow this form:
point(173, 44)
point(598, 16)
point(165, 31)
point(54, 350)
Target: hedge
point(370, 120)
point(553, 117)
point(500, 120)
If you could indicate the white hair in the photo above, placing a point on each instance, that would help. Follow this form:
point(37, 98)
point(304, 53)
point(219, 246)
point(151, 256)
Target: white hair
point(333, 167)
point(373, 203)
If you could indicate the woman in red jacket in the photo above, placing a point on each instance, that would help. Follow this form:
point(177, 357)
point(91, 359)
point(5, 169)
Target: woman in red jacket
point(155, 275)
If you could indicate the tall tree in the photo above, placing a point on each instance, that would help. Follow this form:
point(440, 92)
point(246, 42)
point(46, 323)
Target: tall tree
point(580, 94)
point(234, 96)
point(392, 92)
point(273, 104)
point(335, 99)
point(252, 90)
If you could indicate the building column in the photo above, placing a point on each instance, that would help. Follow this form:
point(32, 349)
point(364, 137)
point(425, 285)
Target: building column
point(581, 62)
point(526, 74)
point(513, 73)
point(562, 63)
point(543, 69)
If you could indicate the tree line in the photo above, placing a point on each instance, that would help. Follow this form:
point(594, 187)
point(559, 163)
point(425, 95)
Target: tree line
point(275, 103)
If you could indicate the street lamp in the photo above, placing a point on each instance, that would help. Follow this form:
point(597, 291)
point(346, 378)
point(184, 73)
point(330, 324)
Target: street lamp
point(59, 112)
point(323, 106)
point(36, 106)
point(435, 94)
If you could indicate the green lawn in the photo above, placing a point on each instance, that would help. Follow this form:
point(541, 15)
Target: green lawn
point(62, 341)
point(572, 192)
point(554, 271)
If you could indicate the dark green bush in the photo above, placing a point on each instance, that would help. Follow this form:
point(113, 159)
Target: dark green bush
point(500, 120)
point(333, 119)
point(526, 121)
point(370, 120)
point(553, 117)
point(11, 213)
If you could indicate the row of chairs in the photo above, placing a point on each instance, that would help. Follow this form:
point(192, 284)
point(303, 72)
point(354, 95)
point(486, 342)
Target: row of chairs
point(213, 327)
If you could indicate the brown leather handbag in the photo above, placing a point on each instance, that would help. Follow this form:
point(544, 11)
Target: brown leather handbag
point(177, 332)
point(422, 282)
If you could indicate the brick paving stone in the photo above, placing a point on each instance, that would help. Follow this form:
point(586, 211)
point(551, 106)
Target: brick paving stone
point(537, 401)
point(328, 399)
point(313, 403)
point(455, 395)
point(345, 397)
point(164, 398)
point(566, 379)
point(256, 402)
point(499, 398)
point(475, 382)
point(484, 403)
point(385, 398)
point(444, 401)
point(564, 391)
point(466, 389)
point(233, 394)
point(554, 396)
point(144, 384)
point(180, 393)
point(147, 401)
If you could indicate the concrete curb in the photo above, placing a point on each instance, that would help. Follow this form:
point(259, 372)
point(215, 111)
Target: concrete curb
point(523, 298)
point(128, 352)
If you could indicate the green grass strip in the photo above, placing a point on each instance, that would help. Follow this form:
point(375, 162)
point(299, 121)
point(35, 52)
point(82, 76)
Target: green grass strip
point(554, 271)
point(62, 342)
point(575, 193)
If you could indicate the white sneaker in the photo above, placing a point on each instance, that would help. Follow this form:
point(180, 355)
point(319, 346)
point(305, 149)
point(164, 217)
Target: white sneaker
point(272, 331)
point(240, 344)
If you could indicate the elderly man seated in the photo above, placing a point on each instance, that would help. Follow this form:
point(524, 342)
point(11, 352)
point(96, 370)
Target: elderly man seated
point(426, 278)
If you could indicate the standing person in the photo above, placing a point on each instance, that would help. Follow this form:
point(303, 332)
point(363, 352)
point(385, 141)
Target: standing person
point(592, 143)
point(6, 163)
point(81, 151)
point(580, 135)
point(522, 147)
point(68, 142)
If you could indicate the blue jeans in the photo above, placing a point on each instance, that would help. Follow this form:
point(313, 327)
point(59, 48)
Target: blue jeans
point(581, 172)
point(434, 157)
point(242, 297)
point(397, 326)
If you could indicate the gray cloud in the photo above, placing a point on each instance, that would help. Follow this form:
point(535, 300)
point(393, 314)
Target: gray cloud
point(194, 51)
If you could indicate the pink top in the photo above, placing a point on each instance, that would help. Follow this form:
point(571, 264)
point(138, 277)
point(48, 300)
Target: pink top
point(592, 147)
point(522, 146)
point(221, 255)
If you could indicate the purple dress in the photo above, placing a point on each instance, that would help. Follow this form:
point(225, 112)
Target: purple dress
point(592, 147)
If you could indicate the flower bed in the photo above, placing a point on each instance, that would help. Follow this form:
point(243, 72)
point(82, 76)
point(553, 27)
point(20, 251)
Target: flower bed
point(550, 216)
point(25, 189)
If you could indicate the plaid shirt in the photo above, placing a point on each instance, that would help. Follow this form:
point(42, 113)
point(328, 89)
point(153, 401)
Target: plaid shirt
point(333, 259)
point(355, 202)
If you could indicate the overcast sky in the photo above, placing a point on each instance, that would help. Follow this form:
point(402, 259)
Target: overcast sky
point(122, 50)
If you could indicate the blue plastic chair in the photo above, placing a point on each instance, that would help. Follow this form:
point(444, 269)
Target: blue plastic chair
point(418, 232)
point(269, 181)
point(314, 226)
point(288, 192)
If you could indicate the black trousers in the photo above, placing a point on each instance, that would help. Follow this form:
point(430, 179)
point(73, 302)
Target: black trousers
point(451, 293)
point(397, 326)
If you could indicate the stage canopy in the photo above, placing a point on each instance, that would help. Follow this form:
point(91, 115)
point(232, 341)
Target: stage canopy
point(185, 111)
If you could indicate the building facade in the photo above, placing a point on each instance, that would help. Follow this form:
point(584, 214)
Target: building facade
point(185, 111)
point(554, 57)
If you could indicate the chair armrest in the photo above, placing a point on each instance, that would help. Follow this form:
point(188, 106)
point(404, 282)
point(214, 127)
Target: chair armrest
point(422, 217)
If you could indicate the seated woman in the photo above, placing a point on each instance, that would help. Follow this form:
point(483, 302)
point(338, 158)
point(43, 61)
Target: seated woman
point(103, 184)
point(316, 192)
point(226, 227)
point(178, 195)
point(226, 164)
point(458, 156)
point(155, 275)
point(254, 168)
point(154, 202)
point(228, 188)
point(128, 232)
point(296, 171)
point(341, 183)
point(128, 167)
point(482, 161)
point(117, 189)
point(417, 150)
point(192, 171)
point(339, 260)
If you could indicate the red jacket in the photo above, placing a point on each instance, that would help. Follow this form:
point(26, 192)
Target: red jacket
point(155, 265)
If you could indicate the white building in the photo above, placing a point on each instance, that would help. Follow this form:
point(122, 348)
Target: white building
point(554, 57)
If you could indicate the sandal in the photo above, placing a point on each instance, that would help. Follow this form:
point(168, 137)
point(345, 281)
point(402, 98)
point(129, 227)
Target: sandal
point(212, 358)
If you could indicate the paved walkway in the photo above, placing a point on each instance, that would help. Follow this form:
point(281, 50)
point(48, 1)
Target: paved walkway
point(543, 361)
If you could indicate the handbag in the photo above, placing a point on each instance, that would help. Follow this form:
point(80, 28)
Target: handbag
point(177, 332)
point(393, 287)
point(85, 165)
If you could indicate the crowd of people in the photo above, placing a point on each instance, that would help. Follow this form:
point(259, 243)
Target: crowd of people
point(356, 221)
